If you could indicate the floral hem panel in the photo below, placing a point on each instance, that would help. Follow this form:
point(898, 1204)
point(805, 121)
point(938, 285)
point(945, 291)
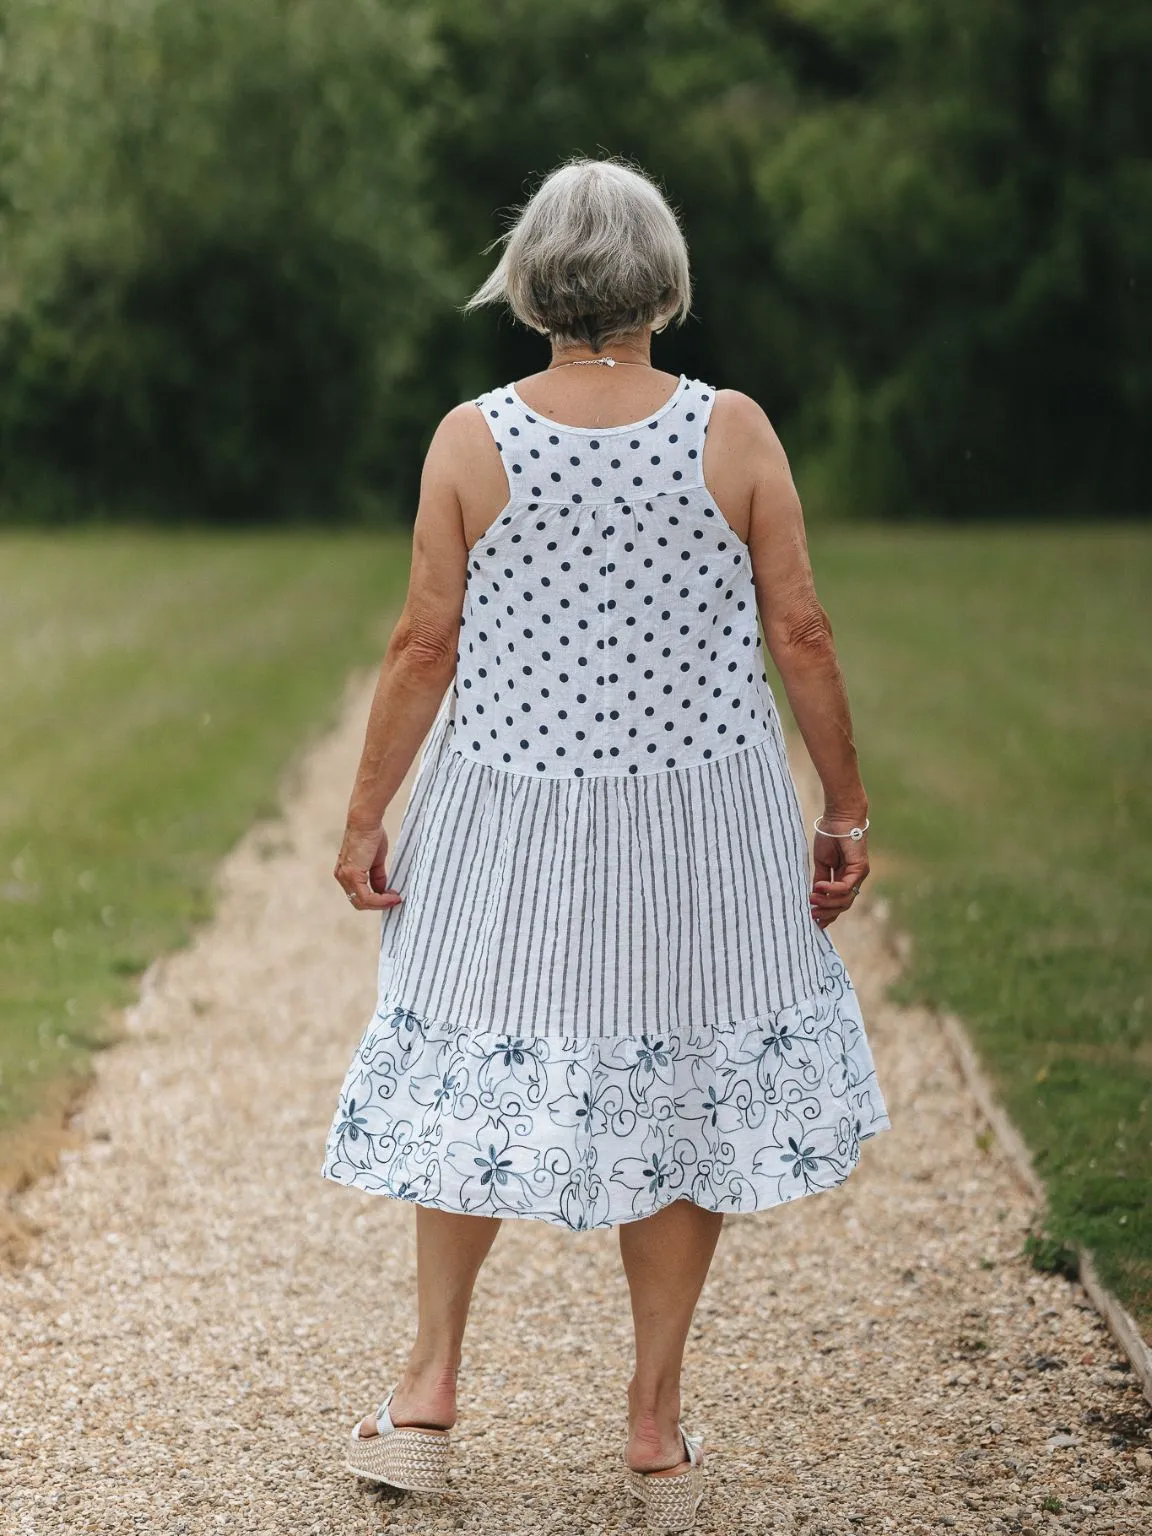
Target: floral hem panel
point(591, 1132)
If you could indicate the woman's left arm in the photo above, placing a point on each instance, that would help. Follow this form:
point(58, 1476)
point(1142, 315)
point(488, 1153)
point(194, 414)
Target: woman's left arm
point(418, 665)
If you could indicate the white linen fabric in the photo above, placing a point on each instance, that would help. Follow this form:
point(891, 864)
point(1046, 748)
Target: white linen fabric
point(603, 989)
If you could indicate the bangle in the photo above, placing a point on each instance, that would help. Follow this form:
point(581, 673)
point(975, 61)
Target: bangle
point(855, 834)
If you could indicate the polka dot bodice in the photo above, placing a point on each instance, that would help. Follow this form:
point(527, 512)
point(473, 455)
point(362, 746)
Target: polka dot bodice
point(609, 622)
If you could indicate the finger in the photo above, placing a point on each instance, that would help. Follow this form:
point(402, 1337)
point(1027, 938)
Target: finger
point(827, 905)
point(831, 907)
point(355, 882)
point(378, 874)
point(848, 872)
point(836, 893)
point(843, 883)
point(367, 900)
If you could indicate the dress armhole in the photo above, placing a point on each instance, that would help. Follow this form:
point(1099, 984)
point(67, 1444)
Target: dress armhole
point(696, 414)
point(705, 400)
point(489, 406)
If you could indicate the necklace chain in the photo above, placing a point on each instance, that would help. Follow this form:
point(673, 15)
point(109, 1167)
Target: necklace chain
point(598, 362)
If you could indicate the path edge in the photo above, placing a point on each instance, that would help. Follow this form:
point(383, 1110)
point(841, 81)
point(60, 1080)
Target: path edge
point(1121, 1324)
point(58, 1128)
point(1119, 1321)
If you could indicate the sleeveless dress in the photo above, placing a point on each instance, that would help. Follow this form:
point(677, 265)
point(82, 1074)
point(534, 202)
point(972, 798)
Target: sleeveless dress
point(604, 990)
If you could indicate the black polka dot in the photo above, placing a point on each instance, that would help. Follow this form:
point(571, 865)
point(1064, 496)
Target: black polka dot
point(614, 608)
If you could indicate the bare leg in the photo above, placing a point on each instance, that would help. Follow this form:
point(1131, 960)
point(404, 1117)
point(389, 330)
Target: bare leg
point(449, 1252)
point(666, 1259)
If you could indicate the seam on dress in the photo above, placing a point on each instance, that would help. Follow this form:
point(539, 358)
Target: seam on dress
point(648, 773)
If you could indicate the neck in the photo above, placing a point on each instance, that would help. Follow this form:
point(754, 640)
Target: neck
point(626, 349)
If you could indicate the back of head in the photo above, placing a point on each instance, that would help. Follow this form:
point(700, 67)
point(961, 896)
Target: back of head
point(595, 254)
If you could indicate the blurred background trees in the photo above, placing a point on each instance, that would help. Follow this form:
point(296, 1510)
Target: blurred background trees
point(236, 233)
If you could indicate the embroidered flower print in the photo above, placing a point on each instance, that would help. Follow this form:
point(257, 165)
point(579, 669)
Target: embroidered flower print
point(589, 1132)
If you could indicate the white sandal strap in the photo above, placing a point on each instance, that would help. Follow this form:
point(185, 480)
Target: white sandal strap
point(693, 1444)
point(384, 1424)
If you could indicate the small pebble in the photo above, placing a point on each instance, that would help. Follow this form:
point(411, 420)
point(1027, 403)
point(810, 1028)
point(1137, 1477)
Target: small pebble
point(853, 1351)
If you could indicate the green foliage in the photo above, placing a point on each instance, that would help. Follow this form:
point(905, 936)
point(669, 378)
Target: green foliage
point(922, 231)
point(219, 272)
point(1051, 1256)
point(236, 233)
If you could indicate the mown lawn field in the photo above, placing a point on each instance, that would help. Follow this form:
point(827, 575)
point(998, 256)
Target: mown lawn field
point(153, 689)
point(1001, 683)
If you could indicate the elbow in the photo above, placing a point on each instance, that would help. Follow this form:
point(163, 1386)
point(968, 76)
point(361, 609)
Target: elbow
point(802, 635)
point(427, 650)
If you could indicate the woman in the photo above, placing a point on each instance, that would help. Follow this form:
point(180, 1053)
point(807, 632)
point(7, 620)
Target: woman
point(607, 995)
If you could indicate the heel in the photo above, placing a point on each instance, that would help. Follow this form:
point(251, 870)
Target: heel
point(414, 1459)
point(671, 1499)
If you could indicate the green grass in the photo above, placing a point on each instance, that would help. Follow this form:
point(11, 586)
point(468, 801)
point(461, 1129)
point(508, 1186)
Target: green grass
point(153, 689)
point(1001, 683)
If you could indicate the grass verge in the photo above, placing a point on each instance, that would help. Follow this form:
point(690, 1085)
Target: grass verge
point(1000, 683)
point(153, 689)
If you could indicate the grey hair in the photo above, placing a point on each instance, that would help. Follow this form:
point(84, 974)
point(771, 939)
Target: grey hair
point(595, 253)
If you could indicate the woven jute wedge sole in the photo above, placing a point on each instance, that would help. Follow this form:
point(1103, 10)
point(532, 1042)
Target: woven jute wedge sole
point(414, 1459)
point(671, 1499)
point(670, 1503)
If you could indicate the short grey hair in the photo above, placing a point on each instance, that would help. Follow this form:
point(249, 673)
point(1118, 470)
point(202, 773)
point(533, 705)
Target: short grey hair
point(595, 253)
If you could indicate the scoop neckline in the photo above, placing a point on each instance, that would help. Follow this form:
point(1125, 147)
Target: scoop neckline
point(626, 426)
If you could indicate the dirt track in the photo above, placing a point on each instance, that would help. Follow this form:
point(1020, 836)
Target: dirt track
point(204, 1316)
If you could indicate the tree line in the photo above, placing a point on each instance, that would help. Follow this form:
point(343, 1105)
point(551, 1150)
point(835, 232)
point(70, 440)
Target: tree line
point(236, 235)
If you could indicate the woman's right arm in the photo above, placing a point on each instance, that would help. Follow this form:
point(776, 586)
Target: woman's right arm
point(750, 470)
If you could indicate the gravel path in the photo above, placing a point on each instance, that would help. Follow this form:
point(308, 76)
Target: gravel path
point(204, 1315)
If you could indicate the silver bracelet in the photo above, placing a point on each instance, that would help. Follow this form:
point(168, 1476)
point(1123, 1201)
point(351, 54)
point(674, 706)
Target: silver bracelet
point(855, 834)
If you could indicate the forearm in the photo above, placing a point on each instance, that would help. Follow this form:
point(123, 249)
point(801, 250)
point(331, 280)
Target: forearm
point(408, 693)
point(818, 698)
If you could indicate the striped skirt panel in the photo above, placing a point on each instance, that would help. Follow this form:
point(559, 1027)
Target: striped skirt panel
point(600, 906)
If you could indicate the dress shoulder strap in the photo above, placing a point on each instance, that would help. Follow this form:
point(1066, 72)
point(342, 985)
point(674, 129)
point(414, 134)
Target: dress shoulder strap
point(549, 460)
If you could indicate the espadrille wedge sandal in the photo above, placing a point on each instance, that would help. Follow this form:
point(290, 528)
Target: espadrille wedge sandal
point(671, 1498)
point(410, 1458)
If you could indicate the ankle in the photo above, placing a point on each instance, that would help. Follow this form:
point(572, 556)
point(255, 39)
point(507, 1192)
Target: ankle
point(654, 1443)
point(431, 1374)
point(425, 1396)
point(653, 1403)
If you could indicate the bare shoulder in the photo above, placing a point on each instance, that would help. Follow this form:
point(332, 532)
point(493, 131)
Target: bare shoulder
point(744, 423)
point(463, 431)
point(742, 455)
point(463, 454)
point(464, 461)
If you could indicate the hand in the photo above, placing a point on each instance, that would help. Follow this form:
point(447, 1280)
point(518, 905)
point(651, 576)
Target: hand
point(360, 869)
point(841, 867)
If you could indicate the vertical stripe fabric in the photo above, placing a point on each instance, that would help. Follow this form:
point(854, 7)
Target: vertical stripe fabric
point(606, 906)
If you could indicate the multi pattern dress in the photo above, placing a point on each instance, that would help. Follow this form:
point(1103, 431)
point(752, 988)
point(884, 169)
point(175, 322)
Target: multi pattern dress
point(604, 989)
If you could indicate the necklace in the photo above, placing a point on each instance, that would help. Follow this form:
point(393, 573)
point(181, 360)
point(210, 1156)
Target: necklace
point(597, 362)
